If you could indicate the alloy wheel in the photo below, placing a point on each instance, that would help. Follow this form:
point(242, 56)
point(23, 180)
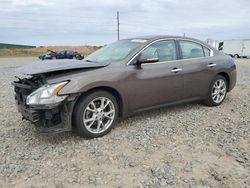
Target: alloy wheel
point(219, 91)
point(99, 115)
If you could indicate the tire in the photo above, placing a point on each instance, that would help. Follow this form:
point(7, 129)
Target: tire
point(88, 114)
point(211, 98)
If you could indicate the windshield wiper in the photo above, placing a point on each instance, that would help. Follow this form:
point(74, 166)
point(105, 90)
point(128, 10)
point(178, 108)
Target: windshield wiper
point(88, 60)
point(91, 61)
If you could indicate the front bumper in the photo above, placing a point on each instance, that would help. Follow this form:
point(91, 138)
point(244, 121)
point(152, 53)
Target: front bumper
point(47, 119)
point(28, 114)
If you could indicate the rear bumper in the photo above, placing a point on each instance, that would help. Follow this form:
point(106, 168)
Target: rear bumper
point(233, 79)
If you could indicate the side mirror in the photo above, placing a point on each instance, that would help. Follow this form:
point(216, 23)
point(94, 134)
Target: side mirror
point(147, 60)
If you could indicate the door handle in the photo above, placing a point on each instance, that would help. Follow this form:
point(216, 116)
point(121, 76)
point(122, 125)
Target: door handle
point(211, 65)
point(175, 70)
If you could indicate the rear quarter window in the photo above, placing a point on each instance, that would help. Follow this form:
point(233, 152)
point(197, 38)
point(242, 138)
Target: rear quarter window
point(191, 50)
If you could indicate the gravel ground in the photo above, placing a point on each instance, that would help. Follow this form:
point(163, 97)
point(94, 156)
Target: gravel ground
point(183, 146)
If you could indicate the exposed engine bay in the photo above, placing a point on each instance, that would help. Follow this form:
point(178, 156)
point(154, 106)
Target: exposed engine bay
point(47, 118)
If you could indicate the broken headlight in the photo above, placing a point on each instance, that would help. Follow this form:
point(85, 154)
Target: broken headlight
point(46, 95)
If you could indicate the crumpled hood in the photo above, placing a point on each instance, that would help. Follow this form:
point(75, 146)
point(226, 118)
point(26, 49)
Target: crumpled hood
point(40, 67)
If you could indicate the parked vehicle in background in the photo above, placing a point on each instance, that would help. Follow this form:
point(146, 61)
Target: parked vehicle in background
point(120, 79)
point(213, 43)
point(65, 54)
point(48, 55)
point(69, 54)
point(236, 48)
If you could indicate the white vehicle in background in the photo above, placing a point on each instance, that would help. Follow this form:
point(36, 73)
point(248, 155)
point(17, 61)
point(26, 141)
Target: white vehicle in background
point(213, 43)
point(236, 48)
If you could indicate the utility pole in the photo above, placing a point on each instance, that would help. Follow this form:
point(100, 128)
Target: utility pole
point(118, 25)
point(184, 34)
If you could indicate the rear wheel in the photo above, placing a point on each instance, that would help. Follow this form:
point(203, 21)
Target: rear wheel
point(95, 114)
point(217, 92)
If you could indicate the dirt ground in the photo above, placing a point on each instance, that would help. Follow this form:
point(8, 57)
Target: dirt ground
point(35, 52)
point(189, 145)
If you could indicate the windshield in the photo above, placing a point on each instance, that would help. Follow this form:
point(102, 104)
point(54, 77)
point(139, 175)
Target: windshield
point(116, 51)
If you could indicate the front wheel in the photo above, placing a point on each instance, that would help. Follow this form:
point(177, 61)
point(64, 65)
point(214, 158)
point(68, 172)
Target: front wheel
point(95, 114)
point(217, 92)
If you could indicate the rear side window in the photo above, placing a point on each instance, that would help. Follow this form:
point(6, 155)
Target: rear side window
point(191, 50)
point(206, 51)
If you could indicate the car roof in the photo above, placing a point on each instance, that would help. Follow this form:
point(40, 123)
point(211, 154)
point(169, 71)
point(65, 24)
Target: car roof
point(152, 37)
point(158, 37)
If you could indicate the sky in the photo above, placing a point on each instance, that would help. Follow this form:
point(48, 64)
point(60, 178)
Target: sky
point(93, 22)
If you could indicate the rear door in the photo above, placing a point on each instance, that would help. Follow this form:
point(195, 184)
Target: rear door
point(197, 68)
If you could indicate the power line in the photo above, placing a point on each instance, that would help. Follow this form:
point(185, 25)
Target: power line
point(47, 21)
point(104, 24)
point(148, 26)
point(63, 15)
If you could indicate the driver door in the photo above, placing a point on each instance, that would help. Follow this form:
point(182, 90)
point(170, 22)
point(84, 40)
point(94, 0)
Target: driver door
point(153, 84)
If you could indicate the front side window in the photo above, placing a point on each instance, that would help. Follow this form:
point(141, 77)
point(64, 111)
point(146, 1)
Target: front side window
point(191, 50)
point(163, 50)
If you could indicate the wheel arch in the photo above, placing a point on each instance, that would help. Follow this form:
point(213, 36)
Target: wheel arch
point(226, 76)
point(112, 91)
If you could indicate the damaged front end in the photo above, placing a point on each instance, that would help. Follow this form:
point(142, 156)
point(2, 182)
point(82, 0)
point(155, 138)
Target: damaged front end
point(40, 103)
